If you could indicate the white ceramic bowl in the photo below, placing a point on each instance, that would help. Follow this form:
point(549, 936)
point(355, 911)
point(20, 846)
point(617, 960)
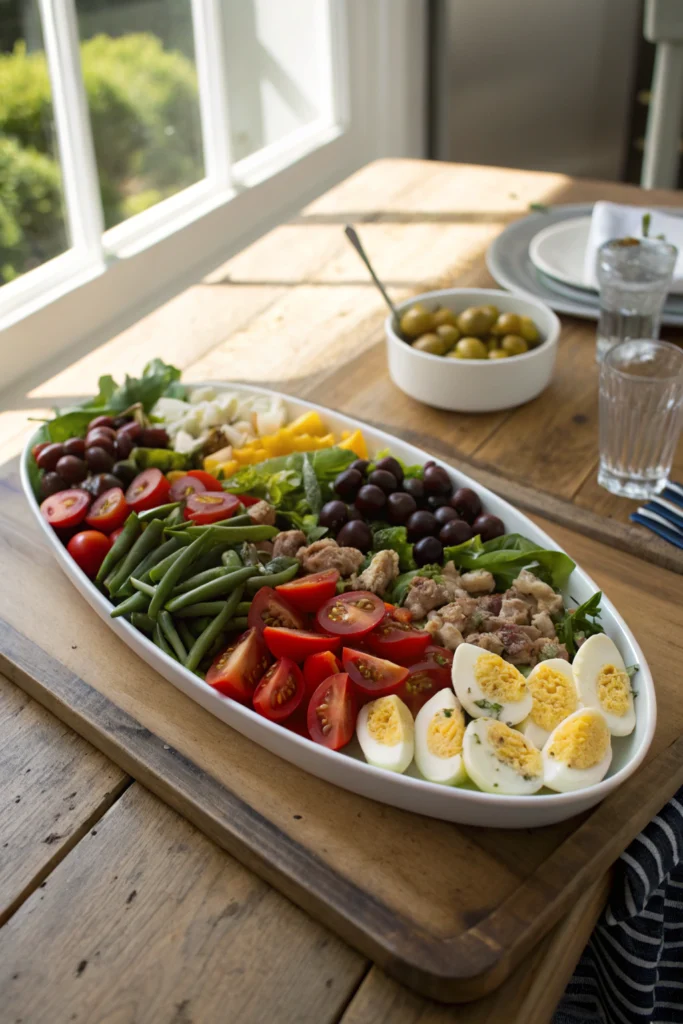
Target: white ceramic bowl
point(474, 385)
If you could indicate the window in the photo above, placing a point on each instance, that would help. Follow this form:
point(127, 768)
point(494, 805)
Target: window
point(143, 141)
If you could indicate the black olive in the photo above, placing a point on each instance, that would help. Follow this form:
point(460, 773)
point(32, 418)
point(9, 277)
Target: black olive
point(50, 456)
point(75, 446)
point(383, 479)
point(153, 437)
point(488, 526)
point(52, 483)
point(427, 551)
point(392, 466)
point(361, 465)
point(414, 486)
point(348, 484)
point(355, 534)
point(445, 514)
point(99, 460)
point(466, 503)
point(72, 469)
point(422, 524)
point(333, 515)
point(455, 532)
point(435, 501)
point(353, 513)
point(437, 480)
point(370, 498)
point(125, 472)
point(400, 507)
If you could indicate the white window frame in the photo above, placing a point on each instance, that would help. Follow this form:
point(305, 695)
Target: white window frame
point(108, 279)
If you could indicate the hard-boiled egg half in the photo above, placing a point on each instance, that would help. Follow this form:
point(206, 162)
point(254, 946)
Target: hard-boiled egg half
point(603, 683)
point(488, 686)
point(499, 759)
point(386, 733)
point(578, 752)
point(439, 732)
point(553, 697)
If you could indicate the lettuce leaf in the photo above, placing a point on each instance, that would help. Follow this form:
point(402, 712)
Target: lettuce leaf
point(158, 378)
point(506, 556)
point(408, 471)
point(396, 539)
point(300, 483)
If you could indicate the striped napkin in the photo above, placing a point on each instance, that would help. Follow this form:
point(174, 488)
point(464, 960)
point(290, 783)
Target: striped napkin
point(664, 514)
point(631, 971)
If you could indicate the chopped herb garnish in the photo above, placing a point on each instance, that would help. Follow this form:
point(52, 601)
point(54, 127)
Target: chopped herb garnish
point(539, 207)
point(486, 705)
point(579, 623)
point(647, 218)
point(631, 670)
point(476, 738)
point(447, 712)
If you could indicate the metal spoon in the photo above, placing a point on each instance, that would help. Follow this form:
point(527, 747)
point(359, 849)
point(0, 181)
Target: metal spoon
point(355, 242)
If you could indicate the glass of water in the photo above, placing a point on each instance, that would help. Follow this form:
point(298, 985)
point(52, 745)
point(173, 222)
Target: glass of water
point(641, 414)
point(635, 275)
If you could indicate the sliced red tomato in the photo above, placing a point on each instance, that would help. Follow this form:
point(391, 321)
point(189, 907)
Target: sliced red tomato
point(318, 667)
point(149, 489)
point(309, 592)
point(113, 537)
point(352, 614)
point(88, 550)
point(109, 511)
point(332, 711)
point(66, 508)
point(209, 507)
point(372, 677)
point(297, 644)
point(210, 482)
point(426, 677)
point(271, 609)
point(247, 500)
point(238, 669)
point(398, 641)
point(281, 691)
point(185, 485)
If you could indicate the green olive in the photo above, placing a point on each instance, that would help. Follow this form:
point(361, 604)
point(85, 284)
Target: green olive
point(492, 342)
point(416, 321)
point(498, 353)
point(493, 311)
point(514, 345)
point(528, 330)
point(431, 343)
point(507, 323)
point(449, 333)
point(444, 316)
point(469, 348)
point(475, 321)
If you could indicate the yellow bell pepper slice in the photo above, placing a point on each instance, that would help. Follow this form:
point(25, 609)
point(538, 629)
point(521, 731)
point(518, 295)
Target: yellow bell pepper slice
point(307, 423)
point(174, 474)
point(356, 444)
point(216, 459)
point(227, 469)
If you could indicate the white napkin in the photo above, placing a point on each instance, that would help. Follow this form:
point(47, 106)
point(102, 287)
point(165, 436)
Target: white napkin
point(610, 220)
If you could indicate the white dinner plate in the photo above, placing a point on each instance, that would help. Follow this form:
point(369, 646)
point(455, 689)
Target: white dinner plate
point(346, 768)
point(560, 249)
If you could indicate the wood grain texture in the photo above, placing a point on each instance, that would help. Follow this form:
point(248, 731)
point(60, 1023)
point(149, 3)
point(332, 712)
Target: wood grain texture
point(53, 785)
point(148, 921)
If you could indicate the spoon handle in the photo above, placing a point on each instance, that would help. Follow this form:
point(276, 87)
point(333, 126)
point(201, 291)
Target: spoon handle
point(356, 243)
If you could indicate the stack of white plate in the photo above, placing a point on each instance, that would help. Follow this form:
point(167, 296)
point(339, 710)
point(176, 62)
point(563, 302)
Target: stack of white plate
point(542, 257)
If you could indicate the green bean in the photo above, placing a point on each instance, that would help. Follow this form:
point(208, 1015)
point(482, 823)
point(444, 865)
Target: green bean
point(185, 633)
point(161, 568)
point(200, 578)
point(141, 571)
point(239, 622)
point(238, 520)
point(142, 587)
point(160, 512)
point(142, 622)
point(212, 631)
point(175, 518)
point(198, 611)
point(146, 542)
point(272, 580)
point(136, 603)
point(232, 534)
point(120, 547)
point(243, 607)
point(161, 641)
point(207, 591)
point(231, 559)
point(197, 626)
point(211, 559)
point(171, 634)
point(173, 574)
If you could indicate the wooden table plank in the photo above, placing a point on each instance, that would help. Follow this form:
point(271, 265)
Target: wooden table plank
point(147, 920)
point(53, 786)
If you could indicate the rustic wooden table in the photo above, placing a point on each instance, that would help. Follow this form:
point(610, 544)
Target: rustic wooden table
point(113, 907)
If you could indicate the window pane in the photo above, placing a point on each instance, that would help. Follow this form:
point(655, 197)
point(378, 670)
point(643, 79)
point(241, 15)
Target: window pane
point(141, 83)
point(32, 217)
point(279, 69)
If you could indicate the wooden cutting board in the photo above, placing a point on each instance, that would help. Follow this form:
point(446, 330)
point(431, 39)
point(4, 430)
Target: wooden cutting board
point(447, 910)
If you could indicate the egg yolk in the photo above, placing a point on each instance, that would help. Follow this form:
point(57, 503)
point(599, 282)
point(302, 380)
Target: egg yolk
point(386, 722)
point(581, 743)
point(554, 697)
point(445, 732)
point(514, 750)
point(499, 679)
point(614, 689)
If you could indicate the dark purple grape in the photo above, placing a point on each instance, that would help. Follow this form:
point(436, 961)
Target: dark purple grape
point(370, 498)
point(75, 446)
point(72, 469)
point(100, 483)
point(50, 456)
point(435, 501)
point(422, 524)
point(455, 532)
point(392, 466)
point(445, 514)
point(361, 465)
point(100, 432)
point(414, 487)
point(400, 507)
point(132, 429)
point(383, 479)
point(123, 445)
point(437, 480)
point(99, 460)
point(354, 513)
point(125, 472)
point(333, 515)
point(355, 534)
point(427, 551)
point(488, 526)
point(100, 439)
point(466, 503)
point(153, 437)
point(348, 484)
point(427, 464)
point(100, 421)
point(120, 421)
point(51, 483)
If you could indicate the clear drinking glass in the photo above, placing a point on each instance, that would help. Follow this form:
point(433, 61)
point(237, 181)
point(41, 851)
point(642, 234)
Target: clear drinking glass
point(641, 414)
point(634, 275)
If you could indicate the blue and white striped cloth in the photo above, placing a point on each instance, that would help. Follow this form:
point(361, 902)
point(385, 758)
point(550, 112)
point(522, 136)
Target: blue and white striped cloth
point(663, 514)
point(631, 971)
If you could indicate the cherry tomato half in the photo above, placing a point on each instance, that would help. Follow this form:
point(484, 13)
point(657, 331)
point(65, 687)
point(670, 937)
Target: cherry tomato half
point(149, 489)
point(109, 511)
point(113, 537)
point(331, 714)
point(210, 482)
point(297, 644)
point(372, 677)
point(281, 691)
point(247, 500)
point(398, 641)
point(184, 486)
point(237, 670)
point(270, 609)
point(309, 592)
point(88, 550)
point(318, 667)
point(66, 508)
point(426, 677)
point(209, 507)
point(352, 614)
